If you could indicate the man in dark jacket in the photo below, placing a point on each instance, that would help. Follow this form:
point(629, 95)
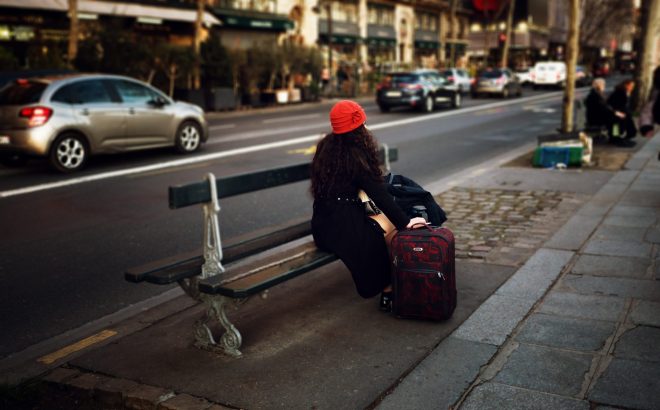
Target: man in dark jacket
point(599, 113)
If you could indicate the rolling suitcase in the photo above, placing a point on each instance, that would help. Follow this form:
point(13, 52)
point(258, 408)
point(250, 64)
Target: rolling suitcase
point(423, 274)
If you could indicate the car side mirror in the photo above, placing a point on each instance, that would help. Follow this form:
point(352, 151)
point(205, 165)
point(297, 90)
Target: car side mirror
point(158, 102)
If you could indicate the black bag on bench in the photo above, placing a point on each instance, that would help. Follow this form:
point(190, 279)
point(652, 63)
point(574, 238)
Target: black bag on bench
point(415, 200)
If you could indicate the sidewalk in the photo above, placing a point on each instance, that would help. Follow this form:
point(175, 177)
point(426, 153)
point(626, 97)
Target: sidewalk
point(559, 307)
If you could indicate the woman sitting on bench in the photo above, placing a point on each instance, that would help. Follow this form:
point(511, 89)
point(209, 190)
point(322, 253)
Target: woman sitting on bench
point(346, 162)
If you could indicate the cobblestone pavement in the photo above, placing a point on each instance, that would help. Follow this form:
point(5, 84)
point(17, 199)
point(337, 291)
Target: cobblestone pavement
point(504, 226)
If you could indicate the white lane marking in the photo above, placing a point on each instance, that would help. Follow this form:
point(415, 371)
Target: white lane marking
point(221, 127)
point(292, 118)
point(254, 148)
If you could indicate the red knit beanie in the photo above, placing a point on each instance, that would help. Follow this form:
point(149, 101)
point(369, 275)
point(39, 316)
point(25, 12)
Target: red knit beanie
point(346, 116)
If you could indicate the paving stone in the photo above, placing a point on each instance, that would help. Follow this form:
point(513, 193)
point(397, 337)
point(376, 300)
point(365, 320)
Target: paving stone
point(618, 248)
point(646, 313)
point(642, 221)
point(601, 265)
point(498, 396)
point(111, 393)
point(629, 384)
point(440, 379)
point(595, 307)
point(621, 233)
point(622, 287)
point(594, 209)
point(547, 370)
point(649, 197)
point(61, 375)
point(627, 210)
point(146, 397)
point(640, 343)
point(624, 177)
point(565, 332)
point(494, 320)
point(184, 402)
point(86, 383)
point(534, 278)
point(574, 233)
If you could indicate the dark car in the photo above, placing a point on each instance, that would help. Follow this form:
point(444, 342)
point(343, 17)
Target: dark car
point(601, 69)
point(421, 89)
point(582, 76)
point(500, 81)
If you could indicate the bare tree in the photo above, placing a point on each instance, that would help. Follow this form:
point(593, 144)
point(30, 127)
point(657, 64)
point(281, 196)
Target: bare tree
point(572, 50)
point(509, 30)
point(72, 50)
point(650, 28)
point(452, 32)
point(602, 20)
point(197, 41)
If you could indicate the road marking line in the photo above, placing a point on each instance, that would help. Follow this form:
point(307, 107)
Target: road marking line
point(76, 347)
point(221, 127)
point(292, 118)
point(305, 151)
point(256, 148)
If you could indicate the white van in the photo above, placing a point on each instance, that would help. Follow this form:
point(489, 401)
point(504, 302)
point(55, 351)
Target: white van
point(549, 73)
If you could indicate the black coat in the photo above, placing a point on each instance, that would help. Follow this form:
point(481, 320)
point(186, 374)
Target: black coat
point(619, 101)
point(598, 112)
point(340, 225)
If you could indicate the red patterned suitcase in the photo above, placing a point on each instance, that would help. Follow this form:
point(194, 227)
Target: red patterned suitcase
point(423, 275)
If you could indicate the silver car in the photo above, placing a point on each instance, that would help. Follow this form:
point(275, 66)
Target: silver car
point(499, 81)
point(68, 118)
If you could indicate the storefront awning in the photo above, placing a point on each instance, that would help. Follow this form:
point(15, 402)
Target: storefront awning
point(429, 45)
point(381, 42)
point(339, 39)
point(252, 20)
point(112, 8)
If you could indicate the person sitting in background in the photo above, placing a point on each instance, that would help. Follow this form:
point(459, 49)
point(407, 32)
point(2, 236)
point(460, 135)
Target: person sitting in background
point(650, 115)
point(619, 100)
point(599, 113)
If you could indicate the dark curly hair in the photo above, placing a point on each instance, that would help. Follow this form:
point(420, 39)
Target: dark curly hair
point(339, 158)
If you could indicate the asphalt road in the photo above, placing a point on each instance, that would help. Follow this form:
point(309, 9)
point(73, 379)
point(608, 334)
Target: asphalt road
point(66, 240)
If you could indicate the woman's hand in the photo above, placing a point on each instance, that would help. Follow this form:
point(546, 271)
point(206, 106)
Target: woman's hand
point(415, 221)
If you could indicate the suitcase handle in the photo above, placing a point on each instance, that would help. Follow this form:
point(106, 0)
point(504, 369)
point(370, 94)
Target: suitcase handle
point(424, 225)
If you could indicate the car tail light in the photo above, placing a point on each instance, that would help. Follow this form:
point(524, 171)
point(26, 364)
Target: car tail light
point(473, 81)
point(36, 115)
point(500, 80)
point(558, 76)
point(450, 78)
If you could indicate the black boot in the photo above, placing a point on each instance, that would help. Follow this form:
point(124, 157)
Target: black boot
point(386, 301)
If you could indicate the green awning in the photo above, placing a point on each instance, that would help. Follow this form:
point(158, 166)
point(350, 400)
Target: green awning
point(252, 20)
point(431, 45)
point(338, 39)
point(381, 42)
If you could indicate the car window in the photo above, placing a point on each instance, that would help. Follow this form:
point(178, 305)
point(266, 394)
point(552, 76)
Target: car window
point(131, 92)
point(448, 73)
point(404, 79)
point(22, 92)
point(83, 92)
point(492, 74)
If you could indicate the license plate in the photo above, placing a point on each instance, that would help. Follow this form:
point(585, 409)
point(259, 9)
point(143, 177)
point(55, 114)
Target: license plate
point(4, 140)
point(393, 94)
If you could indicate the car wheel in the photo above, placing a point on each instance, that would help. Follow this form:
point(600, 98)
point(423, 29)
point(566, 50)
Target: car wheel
point(13, 160)
point(384, 108)
point(69, 153)
point(188, 137)
point(428, 103)
point(457, 100)
point(519, 93)
point(505, 92)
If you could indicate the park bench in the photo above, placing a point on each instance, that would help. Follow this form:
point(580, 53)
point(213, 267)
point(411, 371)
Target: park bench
point(203, 276)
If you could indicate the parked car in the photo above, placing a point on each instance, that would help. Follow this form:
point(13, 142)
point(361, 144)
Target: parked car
point(421, 89)
point(582, 76)
point(68, 118)
point(601, 69)
point(549, 73)
point(460, 77)
point(500, 81)
point(524, 75)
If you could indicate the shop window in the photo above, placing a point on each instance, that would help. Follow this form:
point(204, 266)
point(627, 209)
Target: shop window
point(426, 21)
point(382, 16)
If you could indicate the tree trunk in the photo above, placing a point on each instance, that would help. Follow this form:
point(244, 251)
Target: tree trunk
point(509, 30)
point(197, 45)
point(72, 50)
point(649, 13)
point(571, 61)
point(452, 32)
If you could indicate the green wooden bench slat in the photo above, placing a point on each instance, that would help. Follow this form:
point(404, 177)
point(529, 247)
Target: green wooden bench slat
point(174, 268)
point(265, 279)
point(199, 192)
